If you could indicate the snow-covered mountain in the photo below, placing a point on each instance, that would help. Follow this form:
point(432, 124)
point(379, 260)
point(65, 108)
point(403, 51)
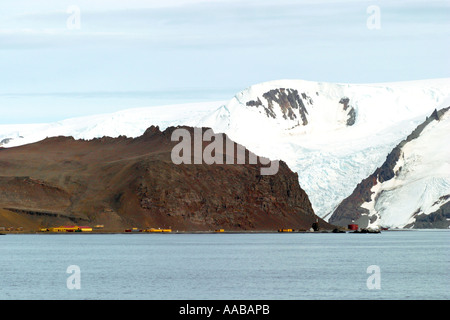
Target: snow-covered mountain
point(333, 135)
point(412, 187)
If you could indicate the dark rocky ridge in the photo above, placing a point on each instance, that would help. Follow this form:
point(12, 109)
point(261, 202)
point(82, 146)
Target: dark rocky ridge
point(351, 111)
point(439, 219)
point(350, 208)
point(293, 105)
point(289, 101)
point(124, 182)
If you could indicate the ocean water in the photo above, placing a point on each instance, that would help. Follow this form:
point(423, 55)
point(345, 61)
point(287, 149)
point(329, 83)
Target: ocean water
point(391, 265)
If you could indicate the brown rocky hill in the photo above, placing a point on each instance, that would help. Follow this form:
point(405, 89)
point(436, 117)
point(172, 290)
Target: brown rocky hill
point(124, 182)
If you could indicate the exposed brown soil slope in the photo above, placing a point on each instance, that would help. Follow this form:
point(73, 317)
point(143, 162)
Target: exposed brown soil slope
point(124, 182)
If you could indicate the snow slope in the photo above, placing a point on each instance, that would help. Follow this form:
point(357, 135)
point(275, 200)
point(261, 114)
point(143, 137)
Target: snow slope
point(129, 122)
point(421, 184)
point(304, 123)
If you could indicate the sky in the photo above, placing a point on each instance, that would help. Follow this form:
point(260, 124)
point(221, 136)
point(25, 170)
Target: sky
point(60, 59)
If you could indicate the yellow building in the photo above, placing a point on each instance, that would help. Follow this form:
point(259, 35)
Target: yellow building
point(69, 229)
point(63, 229)
point(85, 229)
point(158, 230)
point(285, 230)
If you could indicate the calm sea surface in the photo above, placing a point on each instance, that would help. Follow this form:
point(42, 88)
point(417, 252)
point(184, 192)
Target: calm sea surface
point(411, 265)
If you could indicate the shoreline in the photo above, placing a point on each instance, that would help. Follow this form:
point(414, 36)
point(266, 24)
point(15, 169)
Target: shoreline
point(208, 232)
point(173, 232)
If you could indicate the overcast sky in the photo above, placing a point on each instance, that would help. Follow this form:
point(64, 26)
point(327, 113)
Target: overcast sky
point(161, 51)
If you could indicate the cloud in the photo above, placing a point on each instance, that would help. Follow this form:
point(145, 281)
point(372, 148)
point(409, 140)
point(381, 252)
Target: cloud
point(138, 45)
point(214, 24)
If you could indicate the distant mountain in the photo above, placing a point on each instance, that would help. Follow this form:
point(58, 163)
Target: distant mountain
point(412, 187)
point(130, 122)
point(332, 135)
point(133, 182)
